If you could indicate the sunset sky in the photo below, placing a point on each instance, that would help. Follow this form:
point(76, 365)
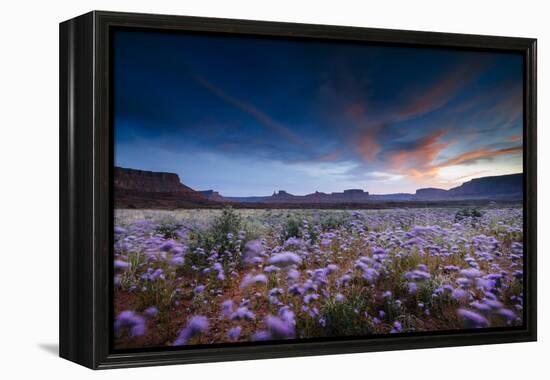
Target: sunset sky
point(247, 116)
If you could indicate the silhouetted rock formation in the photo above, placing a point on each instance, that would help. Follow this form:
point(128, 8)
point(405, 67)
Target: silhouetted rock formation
point(503, 185)
point(430, 193)
point(496, 187)
point(348, 196)
point(212, 195)
point(154, 182)
point(146, 189)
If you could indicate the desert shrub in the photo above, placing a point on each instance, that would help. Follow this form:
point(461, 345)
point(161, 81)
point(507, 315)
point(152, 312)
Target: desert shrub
point(313, 232)
point(342, 318)
point(292, 228)
point(219, 234)
point(227, 224)
point(468, 213)
point(168, 229)
point(130, 276)
point(332, 222)
point(160, 293)
point(425, 292)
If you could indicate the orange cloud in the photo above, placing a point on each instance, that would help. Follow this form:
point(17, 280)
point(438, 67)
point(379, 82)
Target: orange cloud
point(479, 154)
point(368, 146)
point(468, 176)
point(417, 161)
point(366, 142)
point(515, 138)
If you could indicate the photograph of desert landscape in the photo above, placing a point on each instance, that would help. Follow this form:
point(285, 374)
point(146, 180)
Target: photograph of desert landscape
point(269, 189)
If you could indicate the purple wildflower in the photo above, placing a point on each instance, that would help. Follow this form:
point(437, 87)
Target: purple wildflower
point(243, 313)
point(310, 297)
point(168, 245)
point(472, 319)
point(417, 275)
point(129, 320)
point(370, 275)
point(396, 327)
point(252, 250)
point(250, 280)
point(285, 259)
point(177, 261)
point(293, 275)
point(481, 307)
point(271, 268)
point(459, 294)
point(199, 289)
point(507, 314)
point(151, 312)
point(470, 273)
point(261, 335)
point(451, 268)
point(197, 325)
point(227, 308)
point(331, 268)
point(279, 328)
point(234, 333)
point(119, 264)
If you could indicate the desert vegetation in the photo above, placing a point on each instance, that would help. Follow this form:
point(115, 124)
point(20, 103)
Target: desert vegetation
point(215, 276)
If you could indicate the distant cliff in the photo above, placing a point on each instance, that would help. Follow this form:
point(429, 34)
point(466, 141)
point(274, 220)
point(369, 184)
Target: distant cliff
point(281, 196)
point(154, 182)
point(431, 193)
point(212, 195)
point(498, 187)
point(504, 185)
point(146, 189)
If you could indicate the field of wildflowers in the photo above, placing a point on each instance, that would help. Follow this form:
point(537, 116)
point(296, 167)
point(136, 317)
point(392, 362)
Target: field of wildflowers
point(215, 276)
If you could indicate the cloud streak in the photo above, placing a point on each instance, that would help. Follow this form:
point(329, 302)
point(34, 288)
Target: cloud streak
point(261, 117)
point(417, 160)
point(420, 159)
point(473, 156)
point(442, 90)
point(368, 145)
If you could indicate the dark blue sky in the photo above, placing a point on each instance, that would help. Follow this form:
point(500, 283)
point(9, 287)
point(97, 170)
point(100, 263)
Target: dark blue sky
point(247, 116)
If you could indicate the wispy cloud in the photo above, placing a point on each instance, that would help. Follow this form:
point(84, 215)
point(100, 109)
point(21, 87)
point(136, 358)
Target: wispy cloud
point(473, 156)
point(468, 176)
point(420, 160)
point(442, 90)
point(417, 161)
point(261, 117)
point(368, 145)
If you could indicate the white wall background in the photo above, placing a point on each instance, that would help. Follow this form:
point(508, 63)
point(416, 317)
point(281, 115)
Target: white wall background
point(29, 187)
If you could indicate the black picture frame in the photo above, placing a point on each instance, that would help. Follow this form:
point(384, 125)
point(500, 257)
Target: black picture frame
point(86, 196)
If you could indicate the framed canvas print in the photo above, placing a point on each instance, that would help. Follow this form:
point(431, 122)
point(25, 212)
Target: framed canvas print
point(238, 189)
